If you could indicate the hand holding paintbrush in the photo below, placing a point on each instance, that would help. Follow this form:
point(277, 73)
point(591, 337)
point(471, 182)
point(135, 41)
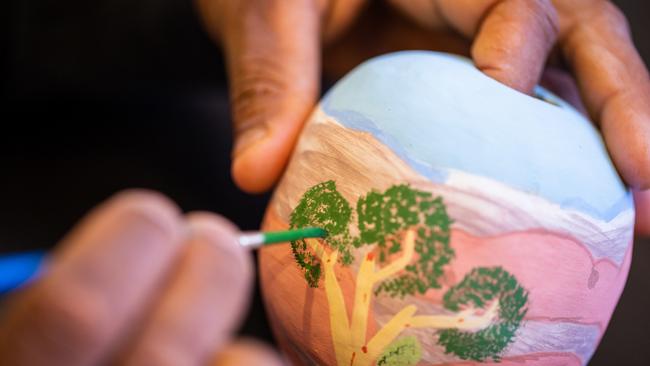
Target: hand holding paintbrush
point(135, 280)
point(19, 269)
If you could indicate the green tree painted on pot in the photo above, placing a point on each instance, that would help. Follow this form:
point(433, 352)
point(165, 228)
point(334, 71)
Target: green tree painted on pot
point(322, 206)
point(409, 231)
point(383, 217)
point(478, 288)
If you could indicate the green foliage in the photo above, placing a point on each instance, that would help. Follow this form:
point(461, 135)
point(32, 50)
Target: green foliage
point(322, 206)
point(383, 219)
point(405, 351)
point(477, 289)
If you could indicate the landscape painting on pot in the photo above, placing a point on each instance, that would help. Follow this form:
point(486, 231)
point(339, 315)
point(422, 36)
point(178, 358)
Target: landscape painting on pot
point(468, 223)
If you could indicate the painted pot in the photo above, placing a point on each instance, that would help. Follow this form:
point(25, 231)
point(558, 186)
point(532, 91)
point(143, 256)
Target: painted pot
point(468, 223)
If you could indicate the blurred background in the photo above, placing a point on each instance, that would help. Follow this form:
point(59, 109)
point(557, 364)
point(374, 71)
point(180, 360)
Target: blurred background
point(99, 96)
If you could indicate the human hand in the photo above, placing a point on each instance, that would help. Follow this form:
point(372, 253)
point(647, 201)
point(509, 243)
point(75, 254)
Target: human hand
point(273, 53)
point(136, 283)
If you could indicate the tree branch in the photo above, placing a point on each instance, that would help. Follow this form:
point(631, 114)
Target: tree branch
point(366, 279)
point(338, 315)
point(362, 296)
point(403, 261)
point(386, 335)
point(464, 320)
point(316, 246)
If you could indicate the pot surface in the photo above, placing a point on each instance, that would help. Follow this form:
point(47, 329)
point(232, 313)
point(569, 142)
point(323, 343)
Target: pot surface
point(469, 223)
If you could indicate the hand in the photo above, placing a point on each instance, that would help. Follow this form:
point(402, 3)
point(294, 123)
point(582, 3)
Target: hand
point(136, 283)
point(273, 52)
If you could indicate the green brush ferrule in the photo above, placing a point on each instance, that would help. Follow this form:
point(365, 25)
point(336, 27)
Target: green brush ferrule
point(293, 235)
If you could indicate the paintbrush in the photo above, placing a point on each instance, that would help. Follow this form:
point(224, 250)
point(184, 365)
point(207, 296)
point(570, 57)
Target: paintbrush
point(256, 239)
point(18, 269)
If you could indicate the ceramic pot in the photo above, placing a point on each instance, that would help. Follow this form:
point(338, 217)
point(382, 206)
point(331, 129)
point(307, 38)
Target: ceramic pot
point(468, 223)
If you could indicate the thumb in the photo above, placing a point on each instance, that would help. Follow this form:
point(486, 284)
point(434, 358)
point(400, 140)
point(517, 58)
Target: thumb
point(272, 55)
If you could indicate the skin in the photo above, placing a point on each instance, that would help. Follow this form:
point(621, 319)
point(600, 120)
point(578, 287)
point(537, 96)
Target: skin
point(138, 283)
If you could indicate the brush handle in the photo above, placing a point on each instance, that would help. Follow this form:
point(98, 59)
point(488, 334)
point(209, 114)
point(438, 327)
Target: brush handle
point(18, 269)
point(272, 237)
point(256, 239)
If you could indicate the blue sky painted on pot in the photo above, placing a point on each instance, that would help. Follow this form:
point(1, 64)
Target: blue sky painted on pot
point(438, 111)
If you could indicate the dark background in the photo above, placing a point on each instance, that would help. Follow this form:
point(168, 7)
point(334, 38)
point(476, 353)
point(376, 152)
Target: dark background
point(99, 96)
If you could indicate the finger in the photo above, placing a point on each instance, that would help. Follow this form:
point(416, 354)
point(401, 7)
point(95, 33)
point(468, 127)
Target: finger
point(514, 40)
point(614, 83)
point(272, 53)
point(204, 301)
point(642, 206)
point(97, 284)
point(248, 352)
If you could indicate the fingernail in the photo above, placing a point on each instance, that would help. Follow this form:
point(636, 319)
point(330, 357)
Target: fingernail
point(249, 137)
